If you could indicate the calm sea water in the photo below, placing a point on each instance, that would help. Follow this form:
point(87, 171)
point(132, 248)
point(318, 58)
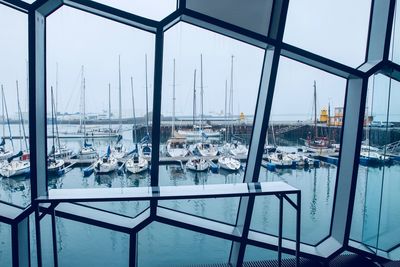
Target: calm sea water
point(162, 245)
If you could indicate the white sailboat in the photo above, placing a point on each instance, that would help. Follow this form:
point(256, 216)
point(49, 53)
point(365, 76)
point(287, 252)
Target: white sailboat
point(145, 142)
point(204, 148)
point(4, 152)
point(176, 145)
point(280, 159)
point(87, 151)
point(107, 163)
point(16, 165)
point(54, 164)
point(137, 163)
point(229, 163)
point(119, 150)
point(197, 164)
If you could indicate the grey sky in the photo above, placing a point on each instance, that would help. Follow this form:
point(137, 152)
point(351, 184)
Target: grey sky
point(75, 38)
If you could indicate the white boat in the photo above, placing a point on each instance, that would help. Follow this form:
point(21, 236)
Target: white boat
point(4, 153)
point(239, 150)
point(62, 152)
point(136, 164)
point(281, 160)
point(300, 159)
point(105, 164)
point(373, 158)
point(206, 149)
point(55, 166)
point(197, 164)
point(177, 147)
point(119, 151)
point(88, 152)
point(229, 163)
point(15, 168)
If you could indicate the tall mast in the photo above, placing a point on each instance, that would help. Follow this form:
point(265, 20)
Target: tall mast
point(52, 122)
point(173, 103)
point(134, 114)
point(8, 119)
point(120, 92)
point(2, 109)
point(226, 96)
point(329, 122)
point(109, 110)
point(56, 93)
point(84, 107)
point(81, 117)
point(19, 124)
point(231, 96)
point(194, 99)
point(315, 110)
point(201, 92)
point(21, 120)
point(147, 96)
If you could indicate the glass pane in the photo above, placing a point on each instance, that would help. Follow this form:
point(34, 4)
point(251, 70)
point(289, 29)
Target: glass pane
point(394, 54)
point(210, 86)
point(376, 213)
point(254, 253)
point(15, 185)
point(91, 140)
point(163, 245)
point(86, 245)
point(152, 9)
point(5, 245)
point(315, 26)
point(302, 148)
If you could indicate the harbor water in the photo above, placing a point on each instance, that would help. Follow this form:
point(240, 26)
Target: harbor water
point(163, 245)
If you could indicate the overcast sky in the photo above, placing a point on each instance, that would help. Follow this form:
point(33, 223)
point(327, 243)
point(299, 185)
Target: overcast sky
point(76, 38)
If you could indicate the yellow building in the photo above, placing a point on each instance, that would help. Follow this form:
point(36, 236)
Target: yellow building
point(323, 117)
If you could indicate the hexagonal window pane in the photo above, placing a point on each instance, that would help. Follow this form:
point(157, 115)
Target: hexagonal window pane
point(302, 148)
point(14, 144)
point(336, 29)
point(152, 9)
point(394, 54)
point(99, 103)
point(376, 212)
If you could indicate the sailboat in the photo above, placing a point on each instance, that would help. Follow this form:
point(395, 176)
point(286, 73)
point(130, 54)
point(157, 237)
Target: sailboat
point(137, 163)
point(318, 144)
point(176, 145)
point(145, 142)
point(87, 151)
point(119, 150)
point(197, 164)
point(107, 163)
point(204, 148)
point(59, 151)
point(54, 164)
point(4, 153)
point(19, 166)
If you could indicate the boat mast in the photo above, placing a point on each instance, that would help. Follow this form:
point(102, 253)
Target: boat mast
point(194, 99)
point(201, 92)
point(173, 103)
point(120, 93)
point(134, 114)
point(231, 97)
point(147, 96)
point(2, 109)
point(52, 122)
point(329, 122)
point(19, 124)
point(21, 120)
point(8, 119)
point(226, 96)
point(56, 122)
point(109, 111)
point(81, 117)
point(315, 110)
point(56, 93)
point(84, 108)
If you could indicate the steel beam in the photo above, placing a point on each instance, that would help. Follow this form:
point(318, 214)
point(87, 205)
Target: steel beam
point(20, 243)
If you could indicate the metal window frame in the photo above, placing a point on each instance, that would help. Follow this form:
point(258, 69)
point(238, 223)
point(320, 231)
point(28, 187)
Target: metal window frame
point(376, 61)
